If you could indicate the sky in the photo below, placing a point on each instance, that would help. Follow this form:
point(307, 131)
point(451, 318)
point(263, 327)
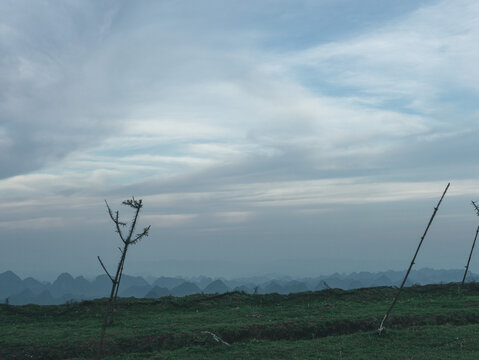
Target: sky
point(291, 137)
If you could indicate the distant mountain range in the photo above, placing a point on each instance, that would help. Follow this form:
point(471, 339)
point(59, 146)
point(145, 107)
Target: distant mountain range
point(67, 288)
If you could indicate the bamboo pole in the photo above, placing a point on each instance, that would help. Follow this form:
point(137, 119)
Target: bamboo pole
point(468, 261)
point(381, 327)
point(472, 249)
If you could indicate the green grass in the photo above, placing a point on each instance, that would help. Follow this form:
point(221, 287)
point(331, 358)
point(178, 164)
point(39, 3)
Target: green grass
point(428, 322)
point(440, 342)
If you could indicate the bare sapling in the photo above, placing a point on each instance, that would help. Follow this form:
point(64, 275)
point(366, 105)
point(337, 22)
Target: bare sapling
point(127, 238)
point(381, 326)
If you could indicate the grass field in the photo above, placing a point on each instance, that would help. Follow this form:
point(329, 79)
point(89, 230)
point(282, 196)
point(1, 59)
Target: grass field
point(428, 322)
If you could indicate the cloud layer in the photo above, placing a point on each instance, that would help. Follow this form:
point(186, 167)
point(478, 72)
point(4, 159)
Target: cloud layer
point(225, 117)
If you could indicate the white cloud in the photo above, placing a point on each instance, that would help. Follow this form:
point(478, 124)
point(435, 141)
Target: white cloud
point(41, 223)
point(343, 191)
point(206, 119)
point(195, 95)
point(169, 130)
point(168, 220)
point(234, 217)
point(417, 58)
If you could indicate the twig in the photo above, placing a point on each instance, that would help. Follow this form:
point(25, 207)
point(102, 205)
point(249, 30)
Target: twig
point(104, 268)
point(476, 207)
point(216, 337)
point(116, 221)
point(140, 235)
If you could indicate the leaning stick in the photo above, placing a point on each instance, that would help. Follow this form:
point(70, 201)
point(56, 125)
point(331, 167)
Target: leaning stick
point(381, 327)
point(216, 337)
point(472, 249)
point(468, 261)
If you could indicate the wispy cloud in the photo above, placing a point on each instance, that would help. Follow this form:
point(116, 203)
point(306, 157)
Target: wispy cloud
point(169, 220)
point(233, 217)
point(417, 62)
point(222, 116)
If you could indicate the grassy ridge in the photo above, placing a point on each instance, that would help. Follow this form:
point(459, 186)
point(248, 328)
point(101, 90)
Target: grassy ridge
point(333, 323)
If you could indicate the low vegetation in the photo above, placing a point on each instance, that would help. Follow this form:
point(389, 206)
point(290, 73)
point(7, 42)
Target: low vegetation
point(428, 322)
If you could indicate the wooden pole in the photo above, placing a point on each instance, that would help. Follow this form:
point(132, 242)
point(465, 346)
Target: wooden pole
point(468, 261)
point(381, 327)
point(472, 249)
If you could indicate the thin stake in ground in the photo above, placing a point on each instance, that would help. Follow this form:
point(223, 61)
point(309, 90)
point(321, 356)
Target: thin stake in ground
point(381, 327)
point(468, 261)
point(472, 249)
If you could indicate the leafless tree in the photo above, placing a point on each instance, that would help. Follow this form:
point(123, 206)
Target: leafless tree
point(128, 238)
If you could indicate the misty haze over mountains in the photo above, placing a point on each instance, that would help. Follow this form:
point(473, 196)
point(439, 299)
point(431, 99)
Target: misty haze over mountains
point(67, 288)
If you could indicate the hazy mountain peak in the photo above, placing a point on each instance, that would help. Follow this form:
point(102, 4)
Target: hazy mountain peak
point(9, 276)
point(216, 286)
point(186, 288)
point(63, 278)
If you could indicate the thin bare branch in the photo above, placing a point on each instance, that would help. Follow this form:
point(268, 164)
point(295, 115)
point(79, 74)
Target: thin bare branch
point(133, 203)
point(476, 207)
point(114, 218)
point(104, 268)
point(133, 224)
point(141, 235)
point(117, 222)
point(120, 275)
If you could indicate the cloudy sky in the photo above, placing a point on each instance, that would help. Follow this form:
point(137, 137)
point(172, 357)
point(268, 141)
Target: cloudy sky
point(295, 137)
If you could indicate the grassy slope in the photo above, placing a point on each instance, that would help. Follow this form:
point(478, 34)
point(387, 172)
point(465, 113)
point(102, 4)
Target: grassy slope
point(429, 322)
